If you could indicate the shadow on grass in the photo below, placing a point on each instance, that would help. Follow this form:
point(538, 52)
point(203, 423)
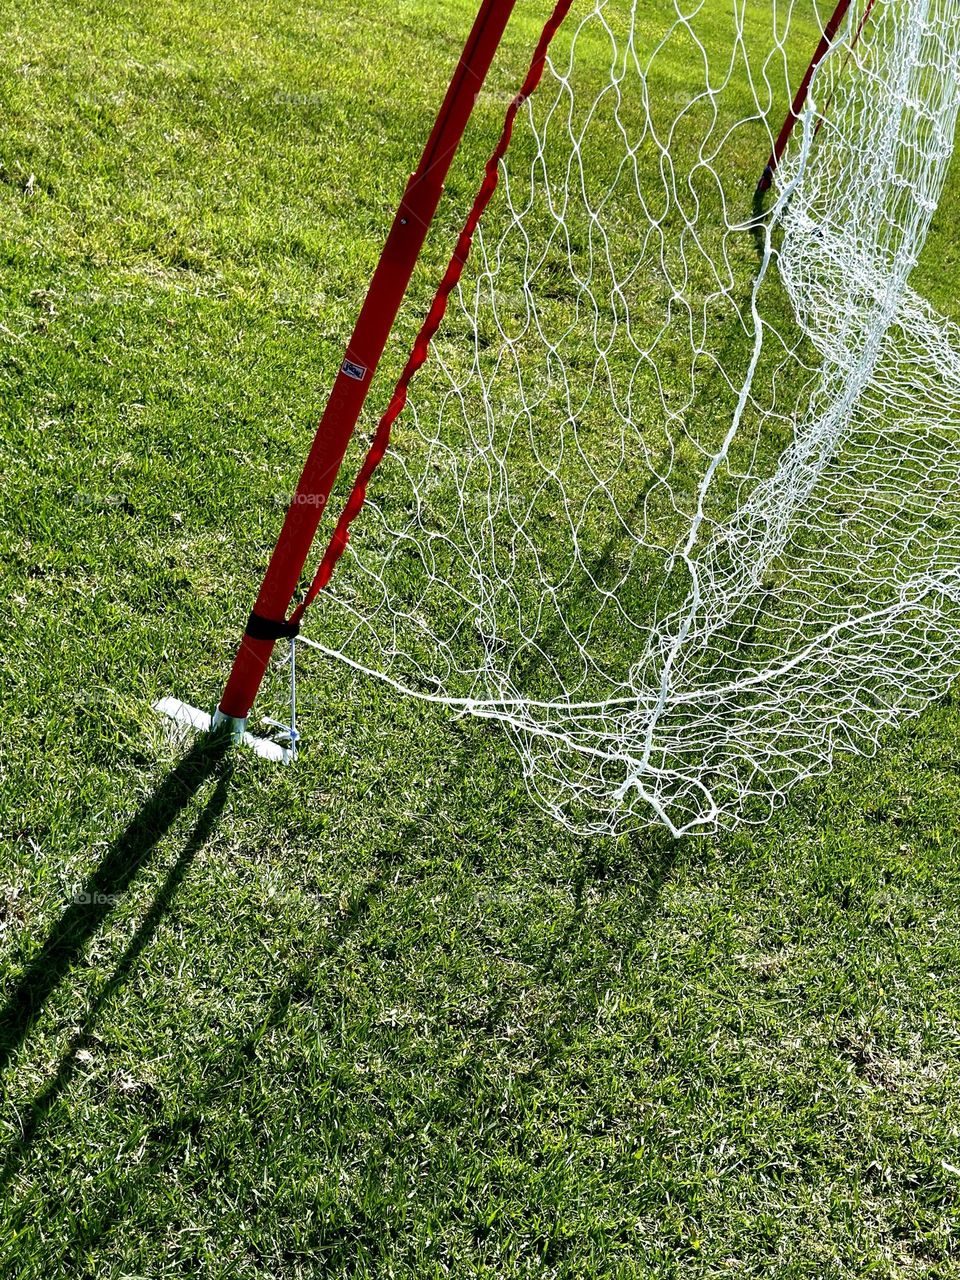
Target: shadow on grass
point(127, 856)
point(758, 224)
point(559, 964)
point(660, 852)
point(360, 1236)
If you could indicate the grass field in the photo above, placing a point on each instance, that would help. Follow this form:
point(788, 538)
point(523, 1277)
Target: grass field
point(375, 1015)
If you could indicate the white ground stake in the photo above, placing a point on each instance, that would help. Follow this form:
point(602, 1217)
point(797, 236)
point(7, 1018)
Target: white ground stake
point(197, 721)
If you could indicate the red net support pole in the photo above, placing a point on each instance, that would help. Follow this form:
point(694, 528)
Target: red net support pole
point(799, 102)
point(267, 622)
point(434, 318)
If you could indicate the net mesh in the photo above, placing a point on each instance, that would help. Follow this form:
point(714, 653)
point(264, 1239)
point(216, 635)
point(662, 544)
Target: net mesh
point(676, 498)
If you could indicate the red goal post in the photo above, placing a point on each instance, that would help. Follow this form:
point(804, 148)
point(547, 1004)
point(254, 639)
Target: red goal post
point(271, 619)
point(800, 100)
point(268, 621)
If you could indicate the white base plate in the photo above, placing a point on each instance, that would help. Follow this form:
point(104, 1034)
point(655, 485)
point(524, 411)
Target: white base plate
point(193, 718)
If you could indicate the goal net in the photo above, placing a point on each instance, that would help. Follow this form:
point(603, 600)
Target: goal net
point(676, 498)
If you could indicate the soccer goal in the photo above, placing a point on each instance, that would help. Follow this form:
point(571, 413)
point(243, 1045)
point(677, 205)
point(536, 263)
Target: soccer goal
point(670, 485)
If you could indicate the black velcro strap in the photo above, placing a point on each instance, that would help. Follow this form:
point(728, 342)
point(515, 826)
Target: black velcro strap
point(263, 629)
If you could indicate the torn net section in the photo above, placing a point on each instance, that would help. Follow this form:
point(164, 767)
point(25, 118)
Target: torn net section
point(677, 497)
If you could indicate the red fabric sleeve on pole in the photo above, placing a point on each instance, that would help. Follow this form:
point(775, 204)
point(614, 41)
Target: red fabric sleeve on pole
point(421, 348)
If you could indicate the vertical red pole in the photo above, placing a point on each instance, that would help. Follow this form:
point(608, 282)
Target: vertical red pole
point(267, 622)
point(799, 102)
point(853, 44)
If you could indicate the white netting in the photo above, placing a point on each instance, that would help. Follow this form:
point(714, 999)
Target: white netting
point(677, 498)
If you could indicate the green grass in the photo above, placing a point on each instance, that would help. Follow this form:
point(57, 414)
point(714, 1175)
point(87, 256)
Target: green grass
point(376, 1015)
